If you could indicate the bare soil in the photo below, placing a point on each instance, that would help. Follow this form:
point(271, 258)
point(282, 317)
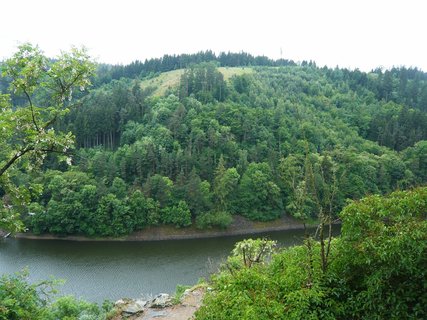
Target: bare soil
point(240, 226)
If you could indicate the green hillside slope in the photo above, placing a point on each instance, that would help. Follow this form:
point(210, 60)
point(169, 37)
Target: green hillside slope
point(200, 145)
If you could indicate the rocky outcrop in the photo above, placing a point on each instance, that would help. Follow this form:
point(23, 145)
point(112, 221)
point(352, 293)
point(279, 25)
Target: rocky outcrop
point(161, 306)
point(131, 306)
point(137, 306)
point(162, 300)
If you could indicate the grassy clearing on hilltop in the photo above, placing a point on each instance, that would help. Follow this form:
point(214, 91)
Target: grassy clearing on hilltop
point(170, 79)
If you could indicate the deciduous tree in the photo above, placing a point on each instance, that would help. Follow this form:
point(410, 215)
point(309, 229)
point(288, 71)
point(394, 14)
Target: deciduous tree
point(44, 90)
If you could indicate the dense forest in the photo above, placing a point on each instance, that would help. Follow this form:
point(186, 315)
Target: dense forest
point(271, 138)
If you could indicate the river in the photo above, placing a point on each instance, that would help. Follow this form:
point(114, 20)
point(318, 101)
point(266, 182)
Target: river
point(111, 270)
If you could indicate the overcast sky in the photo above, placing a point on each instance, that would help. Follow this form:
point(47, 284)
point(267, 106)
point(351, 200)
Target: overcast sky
point(362, 34)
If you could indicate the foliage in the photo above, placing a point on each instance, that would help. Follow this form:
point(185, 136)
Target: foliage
point(160, 189)
point(179, 293)
point(220, 219)
point(143, 211)
point(203, 81)
point(178, 215)
point(21, 300)
point(250, 252)
point(225, 184)
point(111, 217)
point(42, 92)
point(259, 196)
point(383, 254)
point(70, 308)
point(376, 271)
point(168, 62)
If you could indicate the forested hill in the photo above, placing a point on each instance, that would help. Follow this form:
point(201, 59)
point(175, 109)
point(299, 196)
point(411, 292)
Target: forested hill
point(257, 141)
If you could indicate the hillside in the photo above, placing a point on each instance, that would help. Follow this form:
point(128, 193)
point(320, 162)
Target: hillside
point(203, 145)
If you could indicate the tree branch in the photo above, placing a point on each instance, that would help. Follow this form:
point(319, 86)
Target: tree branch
point(15, 157)
point(32, 109)
point(24, 151)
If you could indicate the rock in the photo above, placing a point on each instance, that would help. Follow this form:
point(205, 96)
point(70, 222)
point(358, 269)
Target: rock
point(136, 306)
point(119, 302)
point(162, 300)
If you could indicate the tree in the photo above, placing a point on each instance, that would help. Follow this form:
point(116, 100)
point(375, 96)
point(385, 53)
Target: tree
point(43, 90)
point(143, 211)
point(118, 188)
point(197, 194)
point(73, 199)
point(159, 188)
point(225, 183)
point(112, 217)
point(178, 215)
point(22, 300)
point(259, 195)
point(249, 252)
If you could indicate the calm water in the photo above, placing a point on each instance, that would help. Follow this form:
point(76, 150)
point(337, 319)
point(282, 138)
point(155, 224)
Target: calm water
point(111, 270)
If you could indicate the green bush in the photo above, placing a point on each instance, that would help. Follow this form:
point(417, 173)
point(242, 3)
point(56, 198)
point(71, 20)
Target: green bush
point(376, 270)
point(383, 256)
point(70, 308)
point(21, 300)
point(179, 293)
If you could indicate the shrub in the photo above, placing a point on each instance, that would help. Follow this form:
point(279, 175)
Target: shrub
point(20, 300)
point(376, 270)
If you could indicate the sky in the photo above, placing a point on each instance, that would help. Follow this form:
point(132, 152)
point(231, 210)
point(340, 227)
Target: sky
point(363, 34)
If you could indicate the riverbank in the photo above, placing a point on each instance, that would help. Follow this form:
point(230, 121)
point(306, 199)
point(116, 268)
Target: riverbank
point(240, 226)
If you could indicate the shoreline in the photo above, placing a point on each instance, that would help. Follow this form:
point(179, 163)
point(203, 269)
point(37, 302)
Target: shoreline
point(240, 226)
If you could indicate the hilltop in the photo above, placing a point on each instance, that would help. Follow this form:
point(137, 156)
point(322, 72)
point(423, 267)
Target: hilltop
point(170, 80)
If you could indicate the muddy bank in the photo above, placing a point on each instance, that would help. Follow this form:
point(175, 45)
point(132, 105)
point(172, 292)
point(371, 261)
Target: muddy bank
point(240, 226)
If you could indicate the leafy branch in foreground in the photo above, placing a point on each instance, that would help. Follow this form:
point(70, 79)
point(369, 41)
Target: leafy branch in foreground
point(43, 91)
